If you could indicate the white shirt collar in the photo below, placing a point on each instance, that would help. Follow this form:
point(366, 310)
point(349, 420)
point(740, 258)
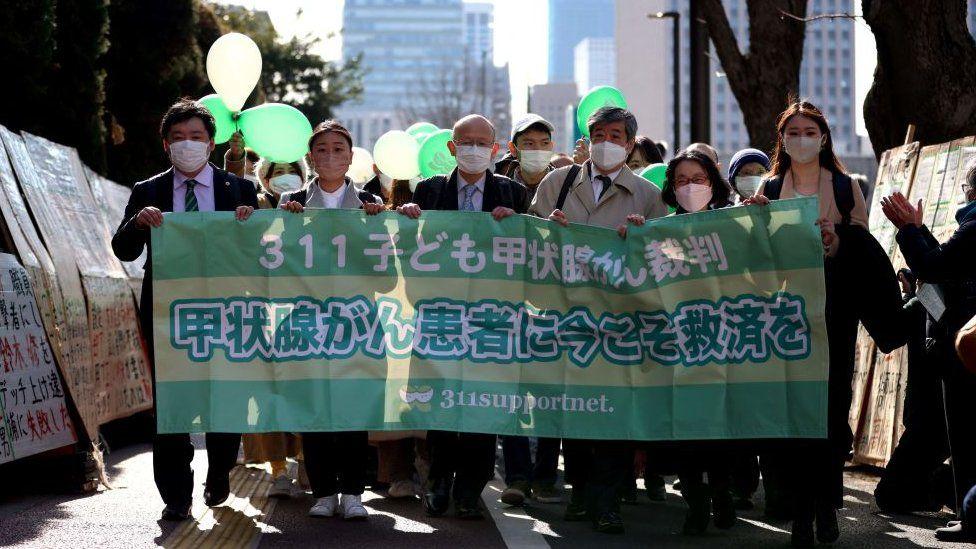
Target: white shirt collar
point(612, 176)
point(205, 177)
point(462, 183)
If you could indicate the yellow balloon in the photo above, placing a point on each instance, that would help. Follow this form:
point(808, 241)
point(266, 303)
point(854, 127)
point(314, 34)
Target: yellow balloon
point(395, 154)
point(234, 68)
point(361, 168)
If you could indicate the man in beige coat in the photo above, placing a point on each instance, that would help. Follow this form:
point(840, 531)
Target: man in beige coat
point(602, 192)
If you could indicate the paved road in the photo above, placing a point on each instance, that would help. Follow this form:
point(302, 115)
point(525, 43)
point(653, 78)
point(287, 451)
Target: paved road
point(127, 517)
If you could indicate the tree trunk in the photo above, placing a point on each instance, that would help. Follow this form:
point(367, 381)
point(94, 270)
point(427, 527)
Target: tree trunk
point(926, 73)
point(764, 79)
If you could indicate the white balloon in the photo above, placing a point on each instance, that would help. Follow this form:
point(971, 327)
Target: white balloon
point(395, 154)
point(361, 168)
point(234, 68)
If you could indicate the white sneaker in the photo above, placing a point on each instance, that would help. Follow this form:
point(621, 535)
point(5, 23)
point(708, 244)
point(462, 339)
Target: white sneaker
point(281, 488)
point(352, 507)
point(325, 507)
point(402, 489)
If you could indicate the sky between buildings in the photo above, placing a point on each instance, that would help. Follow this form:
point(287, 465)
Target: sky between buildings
point(521, 39)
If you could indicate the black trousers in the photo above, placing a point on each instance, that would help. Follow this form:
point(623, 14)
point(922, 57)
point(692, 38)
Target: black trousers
point(598, 469)
point(959, 391)
point(519, 465)
point(907, 480)
point(466, 459)
point(172, 454)
point(336, 462)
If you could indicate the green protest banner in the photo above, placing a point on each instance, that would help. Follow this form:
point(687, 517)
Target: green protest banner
point(704, 326)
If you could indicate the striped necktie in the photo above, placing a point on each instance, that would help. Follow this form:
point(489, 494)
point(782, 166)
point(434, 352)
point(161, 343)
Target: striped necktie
point(190, 202)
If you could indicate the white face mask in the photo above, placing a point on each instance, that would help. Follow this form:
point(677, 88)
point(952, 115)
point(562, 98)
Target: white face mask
point(253, 179)
point(386, 182)
point(189, 156)
point(693, 197)
point(534, 161)
point(747, 185)
point(285, 183)
point(472, 158)
point(803, 149)
point(607, 155)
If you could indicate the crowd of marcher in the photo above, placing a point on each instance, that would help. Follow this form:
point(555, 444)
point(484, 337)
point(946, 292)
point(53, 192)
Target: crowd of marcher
point(598, 185)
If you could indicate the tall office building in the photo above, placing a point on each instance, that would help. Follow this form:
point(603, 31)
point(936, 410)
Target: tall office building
point(489, 84)
point(479, 20)
point(594, 64)
point(826, 75)
point(407, 46)
point(550, 101)
point(571, 21)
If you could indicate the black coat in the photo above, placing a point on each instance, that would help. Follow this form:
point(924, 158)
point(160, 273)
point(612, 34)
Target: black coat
point(441, 193)
point(952, 266)
point(230, 192)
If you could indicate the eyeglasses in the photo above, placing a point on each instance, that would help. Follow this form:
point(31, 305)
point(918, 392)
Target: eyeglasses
point(702, 180)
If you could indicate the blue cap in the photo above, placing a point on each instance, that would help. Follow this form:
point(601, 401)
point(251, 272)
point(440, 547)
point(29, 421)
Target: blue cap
point(747, 156)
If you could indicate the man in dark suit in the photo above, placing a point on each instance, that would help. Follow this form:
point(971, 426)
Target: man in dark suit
point(465, 461)
point(191, 184)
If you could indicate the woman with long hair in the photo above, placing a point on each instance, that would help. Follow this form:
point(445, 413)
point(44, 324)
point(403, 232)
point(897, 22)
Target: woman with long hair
point(860, 286)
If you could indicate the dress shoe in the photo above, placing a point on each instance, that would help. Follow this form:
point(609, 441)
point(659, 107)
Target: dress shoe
point(723, 510)
point(176, 513)
point(827, 529)
point(438, 497)
point(609, 523)
point(576, 510)
point(699, 510)
point(469, 510)
point(955, 533)
point(217, 491)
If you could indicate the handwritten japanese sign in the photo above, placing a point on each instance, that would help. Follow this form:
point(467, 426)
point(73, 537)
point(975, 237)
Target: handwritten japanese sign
point(33, 414)
point(698, 326)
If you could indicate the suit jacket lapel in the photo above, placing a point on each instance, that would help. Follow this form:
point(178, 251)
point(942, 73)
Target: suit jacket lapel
point(449, 198)
point(584, 189)
point(491, 199)
point(221, 191)
point(164, 191)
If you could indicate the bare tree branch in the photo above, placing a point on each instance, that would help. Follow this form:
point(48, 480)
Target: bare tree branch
point(850, 16)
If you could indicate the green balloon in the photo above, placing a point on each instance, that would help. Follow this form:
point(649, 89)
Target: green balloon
point(277, 132)
point(655, 173)
point(600, 96)
point(434, 156)
point(226, 125)
point(420, 130)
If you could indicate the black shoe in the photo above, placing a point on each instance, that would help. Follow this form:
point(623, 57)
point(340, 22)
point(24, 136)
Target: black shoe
point(655, 487)
point(469, 510)
point(744, 504)
point(217, 491)
point(802, 535)
point(699, 507)
point(723, 510)
point(827, 529)
point(438, 498)
point(955, 533)
point(176, 513)
point(628, 494)
point(576, 510)
point(609, 523)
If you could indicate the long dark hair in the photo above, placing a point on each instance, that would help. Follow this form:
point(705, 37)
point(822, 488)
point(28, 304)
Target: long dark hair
point(781, 160)
point(720, 187)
